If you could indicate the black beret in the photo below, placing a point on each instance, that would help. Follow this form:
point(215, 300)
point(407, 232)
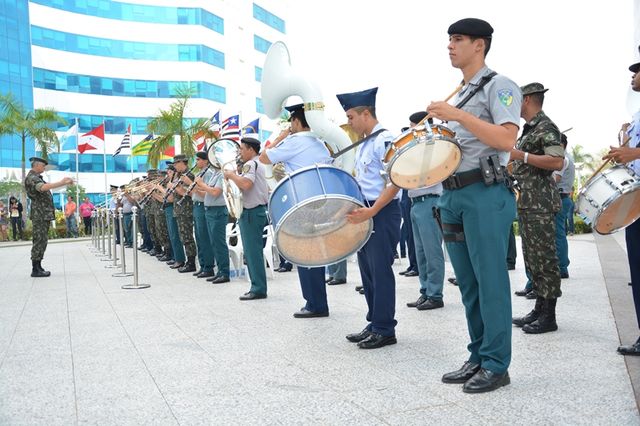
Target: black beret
point(635, 67)
point(471, 27)
point(201, 155)
point(416, 117)
point(114, 186)
point(39, 160)
point(251, 141)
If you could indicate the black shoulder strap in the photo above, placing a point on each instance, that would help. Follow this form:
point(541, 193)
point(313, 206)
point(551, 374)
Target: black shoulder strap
point(483, 82)
point(355, 144)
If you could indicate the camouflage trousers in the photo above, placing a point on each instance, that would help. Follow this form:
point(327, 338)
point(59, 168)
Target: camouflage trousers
point(538, 232)
point(151, 226)
point(161, 228)
point(40, 238)
point(185, 229)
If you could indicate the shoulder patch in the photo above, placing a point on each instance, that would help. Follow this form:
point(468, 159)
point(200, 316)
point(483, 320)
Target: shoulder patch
point(246, 168)
point(505, 96)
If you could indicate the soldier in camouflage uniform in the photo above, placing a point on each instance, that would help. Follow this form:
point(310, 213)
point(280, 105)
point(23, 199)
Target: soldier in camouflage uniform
point(150, 215)
point(183, 212)
point(164, 251)
point(537, 153)
point(42, 211)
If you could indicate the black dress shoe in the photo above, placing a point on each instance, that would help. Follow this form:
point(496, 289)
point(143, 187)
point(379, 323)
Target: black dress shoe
point(171, 262)
point(430, 304)
point(522, 292)
point(375, 341)
point(420, 301)
point(564, 274)
point(486, 381)
point(198, 272)
point(361, 291)
point(252, 296)
point(283, 269)
point(358, 337)
point(219, 280)
point(358, 287)
point(326, 281)
point(164, 258)
point(337, 282)
point(304, 313)
point(511, 267)
point(403, 272)
point(205, 274)
point(177, 265)
point(465, 372)
point(630, 349)
point(411, 274)
point(453, 280)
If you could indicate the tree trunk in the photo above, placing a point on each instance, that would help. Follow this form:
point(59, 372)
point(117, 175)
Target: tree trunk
point(23, 194)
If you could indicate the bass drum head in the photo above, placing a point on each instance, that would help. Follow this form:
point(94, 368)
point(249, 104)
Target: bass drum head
point(619, 211)
point(421, 164)
point(223, 151)
point(316, 232)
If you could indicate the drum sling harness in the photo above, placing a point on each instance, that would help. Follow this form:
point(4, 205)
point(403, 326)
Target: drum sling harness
point(355, 144)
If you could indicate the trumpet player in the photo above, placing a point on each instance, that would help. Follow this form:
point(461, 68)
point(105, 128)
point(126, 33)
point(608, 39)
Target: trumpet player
point(183, 212)
point(296, 147)
point(127, 202)
point(177, 250)
point(255, 195)
point(203, 243)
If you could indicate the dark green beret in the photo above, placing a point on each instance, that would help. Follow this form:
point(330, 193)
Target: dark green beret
point(201, 155)
point(180, 157)
point(471, 27)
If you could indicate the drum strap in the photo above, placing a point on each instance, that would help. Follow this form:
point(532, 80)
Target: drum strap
point(483, 82)
point(355, 144)
point(451, 232)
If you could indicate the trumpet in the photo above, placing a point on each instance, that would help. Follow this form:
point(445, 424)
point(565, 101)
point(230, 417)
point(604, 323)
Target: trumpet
point(193, 184)
point(160, 182)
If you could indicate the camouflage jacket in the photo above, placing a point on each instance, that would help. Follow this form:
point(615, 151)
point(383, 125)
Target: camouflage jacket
point(41, 202)
point(185, 208)
point(539, 192)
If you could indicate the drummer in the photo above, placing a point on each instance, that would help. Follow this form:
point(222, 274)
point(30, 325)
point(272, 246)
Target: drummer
point(296, 147)
point(376, 257)
point(255, 194)
point(477, 207)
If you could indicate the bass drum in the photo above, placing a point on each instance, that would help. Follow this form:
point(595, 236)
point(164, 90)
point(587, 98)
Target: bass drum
point(308, 210)
point(611, 200)
point(422, 156)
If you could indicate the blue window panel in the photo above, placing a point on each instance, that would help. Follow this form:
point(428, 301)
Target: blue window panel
point(260, 44)
point(112, 124)
point(268, 18)
point(125, 49)
point(57, 80)
point(94, 163)
point(258, 74)
point(259, 107)
point(139, 13)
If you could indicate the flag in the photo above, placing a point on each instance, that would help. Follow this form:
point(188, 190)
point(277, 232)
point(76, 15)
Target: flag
point(200, 141)
point(144, 146)
point(230, 128)
point(252, 128)
point(170, 152)
point(93, 139)
point(216, 118)
point(69, 139)
point(126, 141)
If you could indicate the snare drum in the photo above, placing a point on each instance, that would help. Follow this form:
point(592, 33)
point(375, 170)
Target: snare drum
point(611, 200)
point(308, 209)
point(420, 157)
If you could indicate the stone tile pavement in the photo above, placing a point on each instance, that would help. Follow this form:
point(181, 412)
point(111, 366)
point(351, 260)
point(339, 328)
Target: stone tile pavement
point(75, 348)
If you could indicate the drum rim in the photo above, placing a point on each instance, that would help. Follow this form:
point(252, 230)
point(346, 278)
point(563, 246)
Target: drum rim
point(216, 164)
point(409, 145)
point(307, 201)
point(610, 201)
point(304, 169)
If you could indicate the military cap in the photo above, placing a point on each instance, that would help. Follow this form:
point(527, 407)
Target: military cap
point(471, 27)
point(251, 141)
point(416, 117)
point(201, 155)
point(113, 187)
point(635, 67)
point(39, 160)
point(532, 88)
point(295, 108)
point(365, 98)
point(180, 157)
point(122, 186)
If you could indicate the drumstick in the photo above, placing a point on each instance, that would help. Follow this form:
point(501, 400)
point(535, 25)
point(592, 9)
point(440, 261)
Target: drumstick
point(604, 165)
point(447, 99)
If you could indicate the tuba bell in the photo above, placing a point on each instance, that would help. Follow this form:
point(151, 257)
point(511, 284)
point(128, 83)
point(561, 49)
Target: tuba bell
point(280, 81)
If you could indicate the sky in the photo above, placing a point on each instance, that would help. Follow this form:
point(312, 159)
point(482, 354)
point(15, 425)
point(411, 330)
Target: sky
point(580, 50)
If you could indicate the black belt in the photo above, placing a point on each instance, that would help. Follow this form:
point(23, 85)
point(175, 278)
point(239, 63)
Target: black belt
point(564, 195)
point(214, 207)
point(462, 179)
point(424, 197)
point(251, 208)
point(198, 203)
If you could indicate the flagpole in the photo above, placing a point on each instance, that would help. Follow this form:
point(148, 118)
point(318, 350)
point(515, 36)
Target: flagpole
point(130, 152)
point(77, 178)
point(104, 163)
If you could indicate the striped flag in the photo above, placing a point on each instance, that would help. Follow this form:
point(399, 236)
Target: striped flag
point(230, 128)
point(144, 146)
point(126, 141)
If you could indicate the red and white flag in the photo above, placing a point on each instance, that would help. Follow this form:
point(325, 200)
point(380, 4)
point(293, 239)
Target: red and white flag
point(93, 139)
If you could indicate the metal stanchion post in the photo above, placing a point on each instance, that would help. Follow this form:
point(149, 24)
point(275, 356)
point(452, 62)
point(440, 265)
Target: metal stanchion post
point(124, 272)
point(103, 216)
point(136, 284)
point(109, 217)
point(93, 231)
point(113, 216)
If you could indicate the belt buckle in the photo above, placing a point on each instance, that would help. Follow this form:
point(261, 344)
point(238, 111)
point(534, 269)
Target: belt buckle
point(454, 182)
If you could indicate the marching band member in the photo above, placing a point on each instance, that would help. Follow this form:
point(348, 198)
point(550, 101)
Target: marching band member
point(376, 257)
point(296, 147)
point(160, 220)
point(127, 203)
point(177, 249)
point(183, 212)
point(205, 252)
point(255, 195)
point(477, 207)
point(217, 217)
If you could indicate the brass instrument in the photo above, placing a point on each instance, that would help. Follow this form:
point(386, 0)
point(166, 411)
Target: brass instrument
point(161, 182)
point(171, 190)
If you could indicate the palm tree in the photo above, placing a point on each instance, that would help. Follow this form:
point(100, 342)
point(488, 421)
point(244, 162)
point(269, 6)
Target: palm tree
point(168, 124)
point(37, 125)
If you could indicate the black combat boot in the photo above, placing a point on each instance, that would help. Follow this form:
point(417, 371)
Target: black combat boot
point(190, 266)
point(37, 271)
point(531, 316)
point(167, 255)
point(546, 322)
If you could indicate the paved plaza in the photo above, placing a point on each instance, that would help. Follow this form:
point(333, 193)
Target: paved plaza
point(75, 348)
